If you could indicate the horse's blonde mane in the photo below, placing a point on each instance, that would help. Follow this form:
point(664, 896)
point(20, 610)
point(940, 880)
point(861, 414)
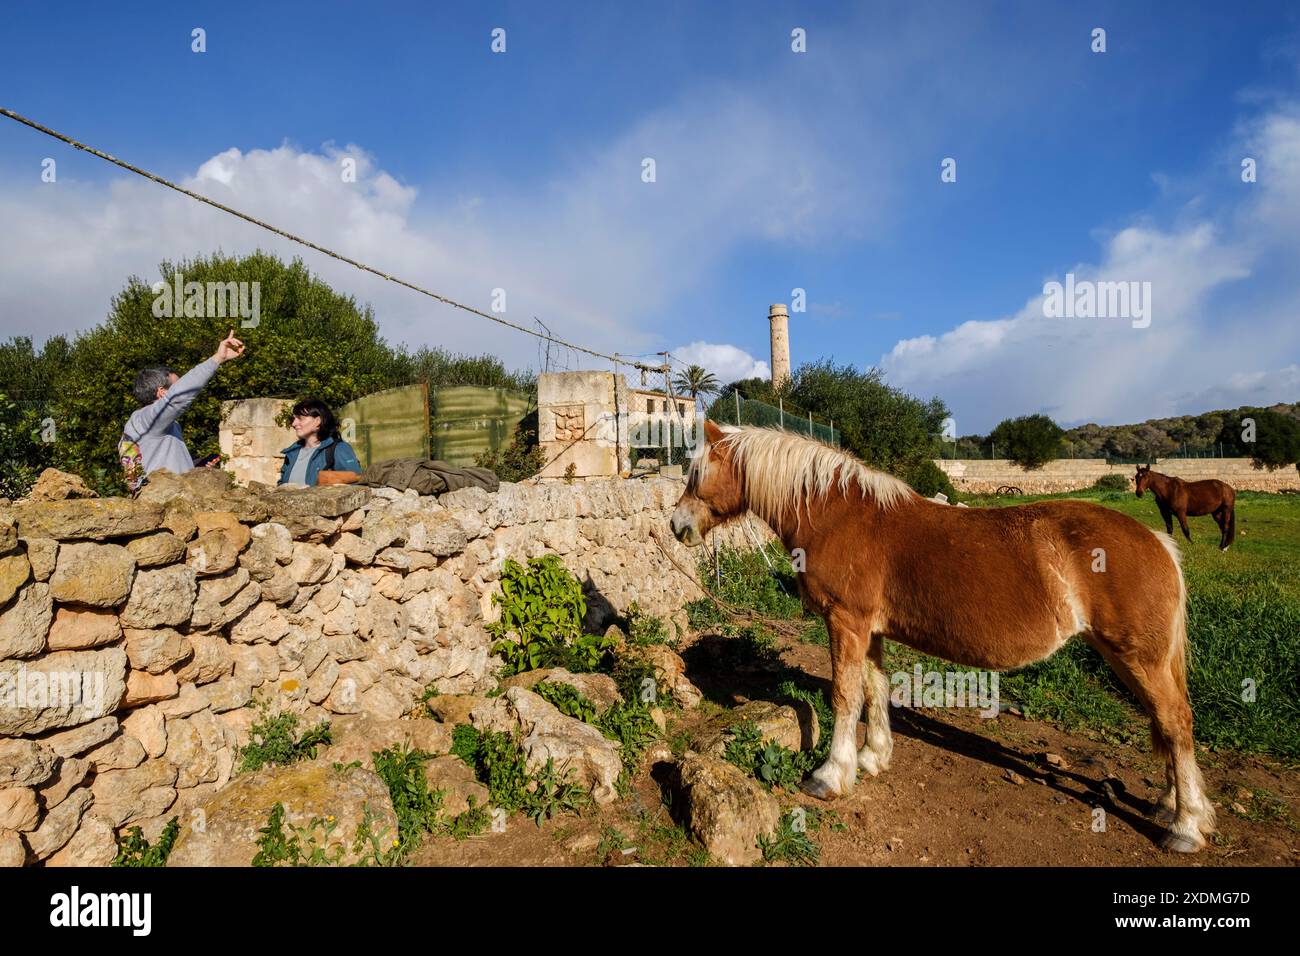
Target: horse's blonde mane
point(784, 470)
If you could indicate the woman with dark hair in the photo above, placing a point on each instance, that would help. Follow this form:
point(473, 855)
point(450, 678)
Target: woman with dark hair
point(318, 448)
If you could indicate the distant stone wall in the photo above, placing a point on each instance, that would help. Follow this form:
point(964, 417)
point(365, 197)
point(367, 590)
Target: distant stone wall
point(134, 633)
point(1071, 474)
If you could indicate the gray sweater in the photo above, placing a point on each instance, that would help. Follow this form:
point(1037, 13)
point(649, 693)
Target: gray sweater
point(154, 427)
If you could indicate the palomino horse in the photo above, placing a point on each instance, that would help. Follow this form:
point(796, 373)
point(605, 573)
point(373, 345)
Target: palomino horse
point(995, 588)
point(1191, 498)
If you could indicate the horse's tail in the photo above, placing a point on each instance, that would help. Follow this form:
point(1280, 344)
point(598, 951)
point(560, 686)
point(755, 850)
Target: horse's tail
point(1178, 626)
point(1232, 521)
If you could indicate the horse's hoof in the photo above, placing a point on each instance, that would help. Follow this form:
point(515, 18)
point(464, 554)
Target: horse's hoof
point(1178, 843)
point(1163, 815)
point(815, 788)
point(869, 763)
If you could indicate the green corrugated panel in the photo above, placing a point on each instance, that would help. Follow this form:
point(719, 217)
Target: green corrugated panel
point(393, 423)
point(468, 420)
point(455, 425)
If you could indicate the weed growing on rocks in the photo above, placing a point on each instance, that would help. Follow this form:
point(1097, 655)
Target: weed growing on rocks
point(644, 629)
point(500, 764)
point(568, 700)
point(134, 850)
point(274, 740)
point(542, 609)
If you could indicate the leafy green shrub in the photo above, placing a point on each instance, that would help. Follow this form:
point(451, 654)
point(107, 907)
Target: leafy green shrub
point(630, 725)
point(928, 479)
point(1113, 482)
point(584, 654)
point(542, 608)
point(790, 842)
point(631, 674)
point(470, 823)
point(760, 580)
point(376, 849)
point(816, 699)
point(770, 763)
point(519, 460)
point(275, 740)
point(134, 850)
point(22, 452)
point(743, 747)
point(299, 846)
point(1030, 441)
point(1276, 439)
point(550, 793)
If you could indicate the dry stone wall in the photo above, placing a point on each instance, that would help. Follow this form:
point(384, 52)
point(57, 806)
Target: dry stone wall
point(977, 476)
point(134, 634)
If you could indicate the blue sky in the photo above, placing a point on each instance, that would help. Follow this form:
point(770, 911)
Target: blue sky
point(775, 170)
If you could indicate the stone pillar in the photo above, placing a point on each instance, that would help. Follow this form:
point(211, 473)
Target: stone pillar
point(780, 319)
point(251, 439)
point(582, 420)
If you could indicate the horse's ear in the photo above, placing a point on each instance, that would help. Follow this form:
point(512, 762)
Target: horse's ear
point(712, 432)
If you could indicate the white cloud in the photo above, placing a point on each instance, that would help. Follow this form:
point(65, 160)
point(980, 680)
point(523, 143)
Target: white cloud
point(729, 363)
point(594, 252)
point(1208, 325)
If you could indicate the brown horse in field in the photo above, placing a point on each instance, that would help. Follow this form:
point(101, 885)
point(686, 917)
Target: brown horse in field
point(1191, 499)
point(994, 588)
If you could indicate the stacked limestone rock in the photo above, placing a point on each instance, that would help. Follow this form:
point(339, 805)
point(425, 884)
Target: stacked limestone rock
point(175, 610)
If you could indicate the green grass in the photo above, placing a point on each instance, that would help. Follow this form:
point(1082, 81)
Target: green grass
point(658, 842)
point(1243, 625)
point(790, 842)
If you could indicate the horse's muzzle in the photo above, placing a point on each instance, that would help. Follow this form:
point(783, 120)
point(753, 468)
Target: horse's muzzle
point(684, 529)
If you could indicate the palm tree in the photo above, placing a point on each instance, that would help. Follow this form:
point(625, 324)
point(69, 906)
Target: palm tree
point(696, 381)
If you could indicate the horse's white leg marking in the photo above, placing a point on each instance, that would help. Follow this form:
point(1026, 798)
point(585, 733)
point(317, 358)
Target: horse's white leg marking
point(1194, 812)
point(840, 771)
point(879, 748)
point(1167, 804)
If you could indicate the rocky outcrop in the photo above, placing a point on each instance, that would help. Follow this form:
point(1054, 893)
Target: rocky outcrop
point(55, 485)
point(226, 828)
point(726, 810)
point(576, 747)
point(776, 723)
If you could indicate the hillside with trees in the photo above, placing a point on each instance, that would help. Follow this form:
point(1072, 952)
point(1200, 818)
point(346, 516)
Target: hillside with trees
point(1273, 441)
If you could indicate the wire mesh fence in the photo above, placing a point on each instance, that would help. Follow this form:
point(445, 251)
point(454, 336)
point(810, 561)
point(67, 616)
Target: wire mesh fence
point(748, 411)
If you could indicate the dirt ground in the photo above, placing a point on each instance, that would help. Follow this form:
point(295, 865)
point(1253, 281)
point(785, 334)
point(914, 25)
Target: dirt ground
point(961, 791)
